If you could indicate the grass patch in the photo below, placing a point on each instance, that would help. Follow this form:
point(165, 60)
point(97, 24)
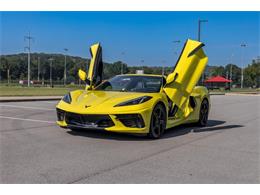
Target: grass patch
point(59, 91)
point(33, 91)
point(239, 90)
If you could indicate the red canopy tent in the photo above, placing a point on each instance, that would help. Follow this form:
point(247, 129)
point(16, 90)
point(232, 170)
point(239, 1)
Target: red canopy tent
point(217, 82)
point(218, 79)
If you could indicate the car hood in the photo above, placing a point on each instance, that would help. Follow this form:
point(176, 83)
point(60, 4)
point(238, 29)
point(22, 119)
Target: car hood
point(95, 98)
point(99, 101)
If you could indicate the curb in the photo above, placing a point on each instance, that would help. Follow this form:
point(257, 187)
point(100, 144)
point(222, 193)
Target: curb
point(28, 99)
point(217, 93)
point(245, 94)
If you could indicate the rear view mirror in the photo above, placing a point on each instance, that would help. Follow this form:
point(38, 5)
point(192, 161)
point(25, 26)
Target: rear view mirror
point(82, 75)
point(171, 78)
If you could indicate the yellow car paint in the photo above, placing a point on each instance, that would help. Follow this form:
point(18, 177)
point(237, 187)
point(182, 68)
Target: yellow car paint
point(178, 89)
point(188, 70)
point(82, 75)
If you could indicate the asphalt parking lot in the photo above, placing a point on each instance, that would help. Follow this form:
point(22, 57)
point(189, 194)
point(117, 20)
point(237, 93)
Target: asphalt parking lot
point(34, 150)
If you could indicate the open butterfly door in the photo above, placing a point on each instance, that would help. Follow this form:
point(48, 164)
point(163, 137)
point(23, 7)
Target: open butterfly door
point(186, 74)
point(95, 69)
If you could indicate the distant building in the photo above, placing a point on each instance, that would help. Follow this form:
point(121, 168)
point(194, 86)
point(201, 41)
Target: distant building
point(139, 72)
point(256, 61)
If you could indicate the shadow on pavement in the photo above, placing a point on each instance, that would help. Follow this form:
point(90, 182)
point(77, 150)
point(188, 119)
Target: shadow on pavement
point(213, 125)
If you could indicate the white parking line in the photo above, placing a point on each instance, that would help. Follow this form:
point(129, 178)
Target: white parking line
point(23, 119)
point(50, 102)
point(25, 107)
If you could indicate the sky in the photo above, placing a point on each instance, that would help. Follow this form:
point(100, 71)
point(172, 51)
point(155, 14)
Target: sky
point(137, 38)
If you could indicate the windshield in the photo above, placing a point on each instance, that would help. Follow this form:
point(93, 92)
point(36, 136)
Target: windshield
point(147, 84)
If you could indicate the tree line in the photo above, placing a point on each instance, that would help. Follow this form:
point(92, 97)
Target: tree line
point(14, 67)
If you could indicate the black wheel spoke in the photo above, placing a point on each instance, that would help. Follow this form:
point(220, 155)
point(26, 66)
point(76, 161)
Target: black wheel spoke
point(204, 110)
point(157, 122)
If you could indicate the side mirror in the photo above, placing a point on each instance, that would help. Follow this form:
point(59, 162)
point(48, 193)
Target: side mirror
point(82, 75)
point(171, 78)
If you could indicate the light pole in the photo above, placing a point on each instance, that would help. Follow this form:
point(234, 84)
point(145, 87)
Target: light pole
point(65, 67)
point(122, 65)
point(29, 38)
point(230, 74)
point(176, 42)
point(199, 27)
point(242, 64)
point(38, 68)
point(51, 59)
point(199, 32)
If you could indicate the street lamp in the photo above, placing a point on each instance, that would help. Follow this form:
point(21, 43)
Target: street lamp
point(51, 59)
point(200, 21)
point(29, 38)
point(65, 67)
point(199, 30)
point(176, 42)
point(230, 74)
point(242, 63)
point(38, 69)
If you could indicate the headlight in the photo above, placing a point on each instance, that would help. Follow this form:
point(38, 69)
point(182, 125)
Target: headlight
point(67, 98)
point(135, 101)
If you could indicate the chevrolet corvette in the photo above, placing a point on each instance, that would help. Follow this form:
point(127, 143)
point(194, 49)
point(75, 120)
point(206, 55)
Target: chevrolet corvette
point(138, 103)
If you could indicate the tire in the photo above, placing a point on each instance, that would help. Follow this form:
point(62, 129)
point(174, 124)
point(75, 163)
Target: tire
point(204, 113)
point(158, 122)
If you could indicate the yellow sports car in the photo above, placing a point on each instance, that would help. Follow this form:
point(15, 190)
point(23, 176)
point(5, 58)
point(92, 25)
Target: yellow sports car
point(138, 103)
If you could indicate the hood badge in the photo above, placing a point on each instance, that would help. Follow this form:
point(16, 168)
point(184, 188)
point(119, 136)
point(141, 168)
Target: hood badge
point(86, 106)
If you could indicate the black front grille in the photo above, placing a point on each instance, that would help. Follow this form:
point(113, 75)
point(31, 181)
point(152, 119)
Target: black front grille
point(88, 120)
point(131, 120)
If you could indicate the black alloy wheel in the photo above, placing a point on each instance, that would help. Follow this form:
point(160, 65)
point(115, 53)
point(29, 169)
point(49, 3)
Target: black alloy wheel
point(158, 122)
point(204, 113)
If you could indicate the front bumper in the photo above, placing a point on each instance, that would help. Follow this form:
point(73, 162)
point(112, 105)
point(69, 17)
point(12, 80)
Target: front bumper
point(130, 122)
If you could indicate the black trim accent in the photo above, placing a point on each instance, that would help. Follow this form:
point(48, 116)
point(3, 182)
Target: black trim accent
point(87, 82)
point(196, 49)
point(131, 120)
point(91, 54)
point(72, 127)
point(88, 121)
point(98, 68)
point(192, 102)
point(172, 110)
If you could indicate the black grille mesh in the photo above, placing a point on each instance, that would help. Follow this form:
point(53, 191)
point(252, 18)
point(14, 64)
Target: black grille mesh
point(88, 119)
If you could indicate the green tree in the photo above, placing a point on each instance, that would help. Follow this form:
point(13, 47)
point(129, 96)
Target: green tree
point(252, 75)
point(6, 66)
point(218, 71)
point(236, 73)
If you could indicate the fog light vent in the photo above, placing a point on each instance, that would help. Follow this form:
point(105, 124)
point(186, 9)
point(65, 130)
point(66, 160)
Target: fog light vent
point(131, 120)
